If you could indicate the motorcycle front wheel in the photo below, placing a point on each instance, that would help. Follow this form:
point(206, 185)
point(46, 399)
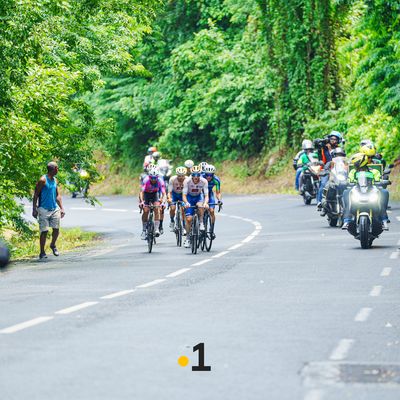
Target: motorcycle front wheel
point(364, 232)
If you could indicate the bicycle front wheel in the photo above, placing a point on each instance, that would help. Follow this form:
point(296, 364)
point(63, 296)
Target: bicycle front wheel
point(195, 234)
point(178, 228)
point(208, 236)
point(150, 234)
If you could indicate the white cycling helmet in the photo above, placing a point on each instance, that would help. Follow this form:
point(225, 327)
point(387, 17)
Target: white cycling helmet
point(209, 169)
point(189, 164)
point(156, 155)
point(202, 165)
point(195, 169)
point(181, 171)
point(153, 172)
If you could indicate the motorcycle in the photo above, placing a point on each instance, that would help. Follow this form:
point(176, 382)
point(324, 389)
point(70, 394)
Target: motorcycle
point(4, 255)
point(365, 206)
point(332, 202)
point(165, 168)
point(310, 181)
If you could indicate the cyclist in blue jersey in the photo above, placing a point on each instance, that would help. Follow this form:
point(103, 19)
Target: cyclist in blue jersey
point(213, 182)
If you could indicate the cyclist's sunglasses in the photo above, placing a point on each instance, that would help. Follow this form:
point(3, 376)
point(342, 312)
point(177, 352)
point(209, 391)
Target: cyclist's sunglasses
point(209, 175)
point(196, 175)
point(153, 176)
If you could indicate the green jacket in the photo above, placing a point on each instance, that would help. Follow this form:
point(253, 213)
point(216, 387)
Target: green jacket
point(373, 174)
point(306, 158)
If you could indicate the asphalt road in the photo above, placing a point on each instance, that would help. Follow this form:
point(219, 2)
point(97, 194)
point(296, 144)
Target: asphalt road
point(287, 308)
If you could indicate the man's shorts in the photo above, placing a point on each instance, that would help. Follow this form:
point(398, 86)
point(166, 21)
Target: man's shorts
point(151, 198)
point(48, 219)
point(211, 199)
point(193, 200)
point(176, 197)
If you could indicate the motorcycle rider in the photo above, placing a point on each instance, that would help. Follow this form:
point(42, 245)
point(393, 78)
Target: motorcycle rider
point(297, 164)
point(337, 152)
point(308, 156)
point(360, 162)
point(378, 158)
point(325, 147)
point(149, 158)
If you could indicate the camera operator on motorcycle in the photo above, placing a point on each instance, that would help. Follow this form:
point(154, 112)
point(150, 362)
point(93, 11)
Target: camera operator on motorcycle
point(325, 147)
point(338, 157)
point(149, 158)
point(360, 163)
point(297, 165)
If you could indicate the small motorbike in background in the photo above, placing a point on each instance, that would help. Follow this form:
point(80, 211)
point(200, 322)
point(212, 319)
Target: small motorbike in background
point(165, 168)
point(332, 202)
point(365, 206)
point(309, 181)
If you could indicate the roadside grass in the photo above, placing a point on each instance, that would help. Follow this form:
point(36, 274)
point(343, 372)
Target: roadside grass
point(26, 246)
point(394, 188)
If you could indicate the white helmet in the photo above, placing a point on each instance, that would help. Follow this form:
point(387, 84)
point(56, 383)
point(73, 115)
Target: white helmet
point(307, 145)
point(209, 169)
point(202, 165)
point(181, 171)
point(153, 172)
point(189, 164)
point(156, 155)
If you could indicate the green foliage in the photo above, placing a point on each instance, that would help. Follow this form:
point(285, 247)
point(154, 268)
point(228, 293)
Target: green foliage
point(51, 53)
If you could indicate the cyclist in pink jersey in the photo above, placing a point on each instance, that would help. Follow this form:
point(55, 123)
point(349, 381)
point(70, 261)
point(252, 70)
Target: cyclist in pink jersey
point(152, 192)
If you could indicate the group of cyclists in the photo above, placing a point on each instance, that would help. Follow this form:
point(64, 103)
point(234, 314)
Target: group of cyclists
point(325, 153)
point(192, 186)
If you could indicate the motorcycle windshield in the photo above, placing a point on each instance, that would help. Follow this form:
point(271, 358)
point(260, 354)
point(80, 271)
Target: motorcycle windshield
point(364, 179)
point(340, 169)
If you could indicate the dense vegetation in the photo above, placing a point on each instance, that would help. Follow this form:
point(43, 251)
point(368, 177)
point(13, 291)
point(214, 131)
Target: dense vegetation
point(239, 78)
point(201, 78)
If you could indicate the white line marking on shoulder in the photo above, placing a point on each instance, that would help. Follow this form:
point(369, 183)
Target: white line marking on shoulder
point(78, 307)
point(363, 314)
point(118, 294)
point(114, 209)
point(83, 208)
point(26, 324)
point(201, 262)
point(386, 271)
point(398, 218)
point(221, 254)
point(152, 283)
point(341, 350)
point(376, 291)
point(179, 272)
point(248, 239)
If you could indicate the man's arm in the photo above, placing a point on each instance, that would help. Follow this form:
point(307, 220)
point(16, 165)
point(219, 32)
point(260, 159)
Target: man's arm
point(38, 189)
point(59, 202)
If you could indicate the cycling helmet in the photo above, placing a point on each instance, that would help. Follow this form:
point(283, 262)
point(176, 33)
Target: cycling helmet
point(209, 169)
point(189, 164)
point(368, 150)
point(195, 169)
point(359, 160)
point(338, 152)
point(307, 145)
point(156, 155)
point(153, 173)
point(181, 171)
point(151, 149)
point(202, 165)
point(337, 135)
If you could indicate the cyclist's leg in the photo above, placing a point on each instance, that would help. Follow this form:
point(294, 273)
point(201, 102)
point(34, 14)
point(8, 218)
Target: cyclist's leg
point(212, 209)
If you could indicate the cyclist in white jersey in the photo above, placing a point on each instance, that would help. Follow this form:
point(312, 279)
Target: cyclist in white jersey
point(195, 192)
point(175, 188)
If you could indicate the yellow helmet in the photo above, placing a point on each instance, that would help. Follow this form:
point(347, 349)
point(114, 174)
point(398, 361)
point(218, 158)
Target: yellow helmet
point(368, 150)
point(359, 160)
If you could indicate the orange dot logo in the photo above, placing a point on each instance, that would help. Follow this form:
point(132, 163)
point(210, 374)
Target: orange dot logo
point(183, 361)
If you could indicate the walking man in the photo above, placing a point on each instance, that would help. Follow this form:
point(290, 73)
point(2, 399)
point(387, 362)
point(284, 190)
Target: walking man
point(48, 208)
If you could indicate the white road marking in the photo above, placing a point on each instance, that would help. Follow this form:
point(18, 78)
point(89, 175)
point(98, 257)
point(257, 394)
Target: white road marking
point(398, 218)
point(114, 209)
point(118, 294)
point(179, 272)
point(248, 239)
point(26, 324)
point(386, 271)
point(152, 283)
point(201, 262)
point(83, 208)
point(341, 350)
point(314, 395)
point(363, 314)
point(236, 246)
point(78, 307)
point(221, 254)
point(398, 243)
point(395, 255)
point(376, 291)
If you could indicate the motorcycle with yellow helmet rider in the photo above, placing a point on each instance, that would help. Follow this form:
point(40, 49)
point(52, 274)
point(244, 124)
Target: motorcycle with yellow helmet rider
point(365, 201)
